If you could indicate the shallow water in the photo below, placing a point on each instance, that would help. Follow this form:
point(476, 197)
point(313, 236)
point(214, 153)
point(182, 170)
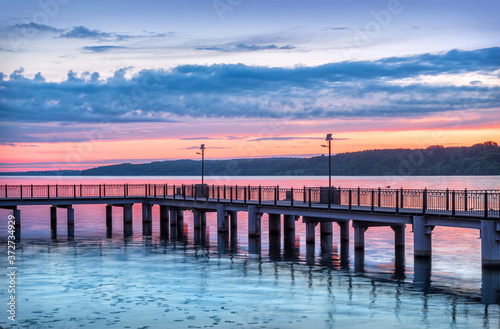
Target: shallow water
point(96, 282)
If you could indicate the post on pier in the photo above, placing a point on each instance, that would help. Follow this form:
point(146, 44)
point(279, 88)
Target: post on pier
point(254, 230)
point(127, 220)
point(147, 219)
point(222, 219)
point(70, 216)
point(53, 222)
point(326, 236)
point(274, 235)
point(109, 221)
point(164, 221)
point(422, 237)
point(490, 243)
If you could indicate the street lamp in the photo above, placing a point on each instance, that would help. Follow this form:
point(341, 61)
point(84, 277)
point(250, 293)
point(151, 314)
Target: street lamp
point(329, 139)
point(202, 148)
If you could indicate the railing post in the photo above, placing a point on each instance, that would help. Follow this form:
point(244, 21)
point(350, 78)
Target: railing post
point(236, 192)
point(57, 191)
point(81, 189)
point(485, 204)
point(165, 191)
point(31, 190)
point(244, 195)
point(173, 191)
point(213, 190)
point(249, 193)
point(21, 192)
point(291, 196)
point(310, 202)
point(453, 203)
point(378, 197)
point(218, 194)
point(145, 190)
point(329, 197)
point(6, 195)
point(373, 200)
point(74, 191)
point(397, 201)
point(48, 191)
point(225, 192)
point(305, 196)
point(465, 200)
point(206, 196)
point(104, 190)
point(447, 199)
point(260, 195)
point(359, 194)
point(231, 194)
point(402, 202)
point(99, 191)
point(184, 191)
point(424, 201)
point(350, 199)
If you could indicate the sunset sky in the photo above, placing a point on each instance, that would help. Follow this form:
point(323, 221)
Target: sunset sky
point(89, 83)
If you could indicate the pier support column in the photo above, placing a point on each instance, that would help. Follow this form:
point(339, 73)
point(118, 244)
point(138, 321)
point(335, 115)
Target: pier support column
point(222, 219)
point(147, 219)
point(490, 243)
point(359, 236)
point(344, 243)
point(71, 222)
point(289, 235)
point(17, 224)
point(274, 236)
point(197, 219)
point(289, 222)
point(233, 216)
point(326, 229)
point(173, 223)
point(254, 230)
point(53, 222)
point(164, 222)
point(422, 238)
point(180, 224)
point(109, 221)
point(310, 232)
point(127, 220)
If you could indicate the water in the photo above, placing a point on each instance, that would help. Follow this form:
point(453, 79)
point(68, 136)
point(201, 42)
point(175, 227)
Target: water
point(95, 282)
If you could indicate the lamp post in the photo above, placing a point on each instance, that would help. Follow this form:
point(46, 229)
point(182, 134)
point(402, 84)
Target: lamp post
point(202, 148)
point(329, 140)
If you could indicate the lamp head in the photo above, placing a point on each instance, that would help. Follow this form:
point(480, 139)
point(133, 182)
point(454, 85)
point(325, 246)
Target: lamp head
point(202, 147)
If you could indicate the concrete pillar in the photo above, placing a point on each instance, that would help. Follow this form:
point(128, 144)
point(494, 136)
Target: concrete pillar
point(310, 232)
point(196, 219)
point(222, 219)
point(127, 220)
point(109, 221)
point(254, 219)
point(422, 238)
point(17, 224)
point(289, 222)
point(274, 224)
point(71, 222)
point(490, 243)
point(53, 222)
point(359, 237)
point(399, 236)
point(173, 216)
point(326, 236)
point(147, 219)
point(233, 215)
point(164, 222)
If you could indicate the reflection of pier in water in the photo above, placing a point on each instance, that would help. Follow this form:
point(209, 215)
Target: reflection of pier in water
point(363, 208)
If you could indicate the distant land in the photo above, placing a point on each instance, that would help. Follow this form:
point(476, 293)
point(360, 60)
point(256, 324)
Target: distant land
point(479, 159)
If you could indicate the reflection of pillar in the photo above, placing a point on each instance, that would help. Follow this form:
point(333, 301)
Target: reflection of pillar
point(490, 243)
point(274, 236)
point(359, 247)
point(180, 224)
point(422, 238)
point(109, 221)
point(310, 251)
point(326, 229)
point(17, 224)
point(173, 223)
point(344, 243)
point(53, 222)
point(127, 220)
point(222, 242)
point(70, 222)
point(422, 273)
point(233, 219)
point(147, 219)
point(289, 234)
point(254, 245)
point(399, 250)
point(490, 293)
point(164, 222)
point(359, 260)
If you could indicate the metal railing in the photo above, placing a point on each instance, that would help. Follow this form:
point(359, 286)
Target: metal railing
point(476, 203)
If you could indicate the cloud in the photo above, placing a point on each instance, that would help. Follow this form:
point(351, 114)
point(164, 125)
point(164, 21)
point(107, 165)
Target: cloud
point(195, 138)
point(31, 27)
point(289, 138)
point(101, 49)
point(81, 32)
point(362, 89)
point(241, 47)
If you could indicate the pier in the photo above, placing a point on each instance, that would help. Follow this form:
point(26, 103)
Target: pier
point(360, 208)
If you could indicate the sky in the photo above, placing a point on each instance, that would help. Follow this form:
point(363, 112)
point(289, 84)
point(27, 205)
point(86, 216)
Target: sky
point(91, 83)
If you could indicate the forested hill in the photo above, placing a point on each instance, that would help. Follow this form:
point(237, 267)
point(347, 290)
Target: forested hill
point(480, 159)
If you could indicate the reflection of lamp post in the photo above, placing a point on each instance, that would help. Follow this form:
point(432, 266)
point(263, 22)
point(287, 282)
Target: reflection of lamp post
point(202, 148)
point(329, 139)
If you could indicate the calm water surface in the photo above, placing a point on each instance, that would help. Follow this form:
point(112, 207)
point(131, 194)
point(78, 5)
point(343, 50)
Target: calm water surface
point(96, 282)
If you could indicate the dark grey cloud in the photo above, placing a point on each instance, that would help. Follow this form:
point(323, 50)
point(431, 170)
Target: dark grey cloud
point(241, 47)
point(29, 28)
point(337, 90)
point(101, 49)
